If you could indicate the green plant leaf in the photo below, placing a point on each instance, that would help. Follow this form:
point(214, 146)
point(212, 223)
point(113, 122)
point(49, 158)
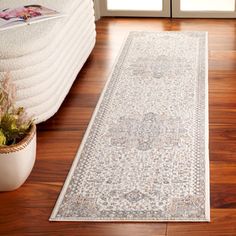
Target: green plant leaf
point(14, 122)
point(2, 139)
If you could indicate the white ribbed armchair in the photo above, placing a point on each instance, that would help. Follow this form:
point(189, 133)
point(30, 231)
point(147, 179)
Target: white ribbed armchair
point(45, 58)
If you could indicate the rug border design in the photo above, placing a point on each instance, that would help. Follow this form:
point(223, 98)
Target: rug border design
point(77, 156)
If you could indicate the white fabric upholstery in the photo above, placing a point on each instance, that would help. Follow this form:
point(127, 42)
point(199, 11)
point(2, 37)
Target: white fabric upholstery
point(45, 58)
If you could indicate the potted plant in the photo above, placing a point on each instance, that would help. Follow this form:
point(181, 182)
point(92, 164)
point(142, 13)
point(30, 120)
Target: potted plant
point(17, 139)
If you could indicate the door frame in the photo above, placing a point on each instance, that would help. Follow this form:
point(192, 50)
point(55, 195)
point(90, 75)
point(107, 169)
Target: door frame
point(166, 12)
point(177, 13)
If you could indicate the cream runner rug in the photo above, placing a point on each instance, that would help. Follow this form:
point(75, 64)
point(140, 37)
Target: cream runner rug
point(144, 156)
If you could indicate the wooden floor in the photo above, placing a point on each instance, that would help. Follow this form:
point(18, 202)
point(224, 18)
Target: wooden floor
point(26, 211)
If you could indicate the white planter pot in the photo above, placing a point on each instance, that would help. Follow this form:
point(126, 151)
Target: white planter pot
point(17, 161)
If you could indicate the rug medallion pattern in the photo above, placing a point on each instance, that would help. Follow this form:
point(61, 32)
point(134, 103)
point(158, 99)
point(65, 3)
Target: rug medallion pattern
point(145, 154)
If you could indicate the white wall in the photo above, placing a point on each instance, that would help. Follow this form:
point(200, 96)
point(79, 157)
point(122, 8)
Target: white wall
point(97, 9)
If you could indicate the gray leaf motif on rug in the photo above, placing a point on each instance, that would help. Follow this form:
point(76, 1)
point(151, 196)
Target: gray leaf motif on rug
point(144, 156)
point(150, 132)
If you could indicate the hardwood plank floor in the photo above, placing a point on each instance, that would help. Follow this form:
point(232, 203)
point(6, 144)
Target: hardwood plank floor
point(26, 211)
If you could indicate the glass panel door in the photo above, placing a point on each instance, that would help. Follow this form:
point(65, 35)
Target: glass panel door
point(155, 8)
point(203, 5)
point(147, 5)
point(204, 8)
